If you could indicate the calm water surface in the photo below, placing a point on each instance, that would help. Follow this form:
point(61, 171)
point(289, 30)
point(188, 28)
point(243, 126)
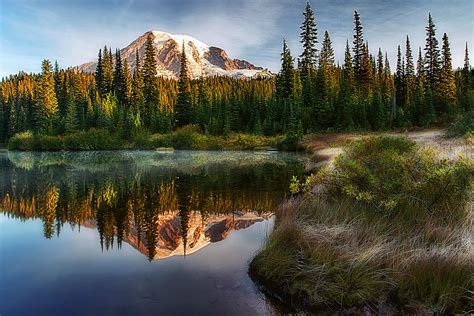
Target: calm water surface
point(136, 232)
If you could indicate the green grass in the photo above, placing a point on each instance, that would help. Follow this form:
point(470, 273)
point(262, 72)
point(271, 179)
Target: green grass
point(188, 137)
point(390, 223)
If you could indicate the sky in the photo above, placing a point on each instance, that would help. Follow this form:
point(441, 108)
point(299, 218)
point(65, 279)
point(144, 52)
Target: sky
point(72, 31)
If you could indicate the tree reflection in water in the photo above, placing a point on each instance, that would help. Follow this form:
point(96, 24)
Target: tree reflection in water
point(161, 204)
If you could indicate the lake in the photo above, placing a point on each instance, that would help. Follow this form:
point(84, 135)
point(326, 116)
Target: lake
point(136, 232)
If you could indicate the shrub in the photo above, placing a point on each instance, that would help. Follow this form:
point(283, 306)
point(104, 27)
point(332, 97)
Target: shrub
point(187, 137)
point(21, 141)
point(93, 140)
point(392, 176)
point(191, 137)
point(48, 143)
point(83, 140)
point(463, 126)
point(142, 140)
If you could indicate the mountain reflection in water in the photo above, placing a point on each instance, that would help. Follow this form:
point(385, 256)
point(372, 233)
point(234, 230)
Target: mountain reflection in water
point(162, 204)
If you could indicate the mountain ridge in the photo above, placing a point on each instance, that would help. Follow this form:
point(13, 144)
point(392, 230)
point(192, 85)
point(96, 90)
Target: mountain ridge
point(203, 60)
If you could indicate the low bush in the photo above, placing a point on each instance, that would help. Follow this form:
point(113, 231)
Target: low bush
point(48, 143)
point(392, 176)
point(142, 140)
point(93, 139)
point(22, 141)
point(463, 126)
point(191, 137)
point(187, 137)
point(83, 140)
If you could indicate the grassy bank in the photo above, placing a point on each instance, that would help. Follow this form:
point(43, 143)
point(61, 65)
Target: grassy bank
point(189, 137)
point(388, 226)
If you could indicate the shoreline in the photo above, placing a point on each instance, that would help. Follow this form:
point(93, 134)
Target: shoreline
point(323, 150)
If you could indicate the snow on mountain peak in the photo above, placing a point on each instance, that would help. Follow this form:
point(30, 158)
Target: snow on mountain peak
point(203, 60)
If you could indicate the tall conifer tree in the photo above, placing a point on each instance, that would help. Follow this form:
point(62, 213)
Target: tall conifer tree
point(150, 87)
point(183, 110)
point(448, 84)
point(286, 76)
point(46, 103)
point(409, 72)
point(432, 58)
point(358, 48)
point(309, 39)
point(98, 73)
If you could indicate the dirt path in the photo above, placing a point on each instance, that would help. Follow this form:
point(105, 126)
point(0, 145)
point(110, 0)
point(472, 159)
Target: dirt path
point(325, 147)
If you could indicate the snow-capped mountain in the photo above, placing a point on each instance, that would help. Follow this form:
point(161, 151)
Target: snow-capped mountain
point(203, 60)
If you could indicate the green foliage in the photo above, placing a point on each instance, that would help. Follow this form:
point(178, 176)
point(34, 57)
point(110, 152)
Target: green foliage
point(391, 176)
point(47, 103)
point(48, 143)
point(84, 140)
point(183, 110)
point(191, 137)
point(93, 140)
point(463, 126)
point(21, 141)
point(187, 137)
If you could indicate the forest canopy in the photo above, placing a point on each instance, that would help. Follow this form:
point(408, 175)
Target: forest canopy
point(314, 95)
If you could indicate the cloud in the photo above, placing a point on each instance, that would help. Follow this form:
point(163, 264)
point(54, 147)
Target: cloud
point(73, 31)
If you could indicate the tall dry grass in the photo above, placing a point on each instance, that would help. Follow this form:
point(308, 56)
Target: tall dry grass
point(332, 251)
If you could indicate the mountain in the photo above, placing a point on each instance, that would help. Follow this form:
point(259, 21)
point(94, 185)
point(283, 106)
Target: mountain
point(203, 60)
point(201, 232)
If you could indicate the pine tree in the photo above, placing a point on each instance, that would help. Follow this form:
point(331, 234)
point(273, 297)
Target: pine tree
point(294, 131)
point(46, 103)
point(466, 69)
point(322, 109)
point(466, 97)
point(419, 101)
point(389, 87)
point(150, 88)
point(107, 72)
point(98, 73)
point(359, 48)
point(119, 80)
point(448, 84)
point(137, 98)
point(432, 67)
point(183, 110)
point(204, 110)
point(286, 76)
point(376, 115)
point(409, 73)
point(126, 110)
point(70, 121)
point(399, 84)
point(127, 84)
point(11, 128)
point(365, 75)
point(348, 69)
point(380, 73)
point(326, 61)
point(429, 113)
point(309, 39)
